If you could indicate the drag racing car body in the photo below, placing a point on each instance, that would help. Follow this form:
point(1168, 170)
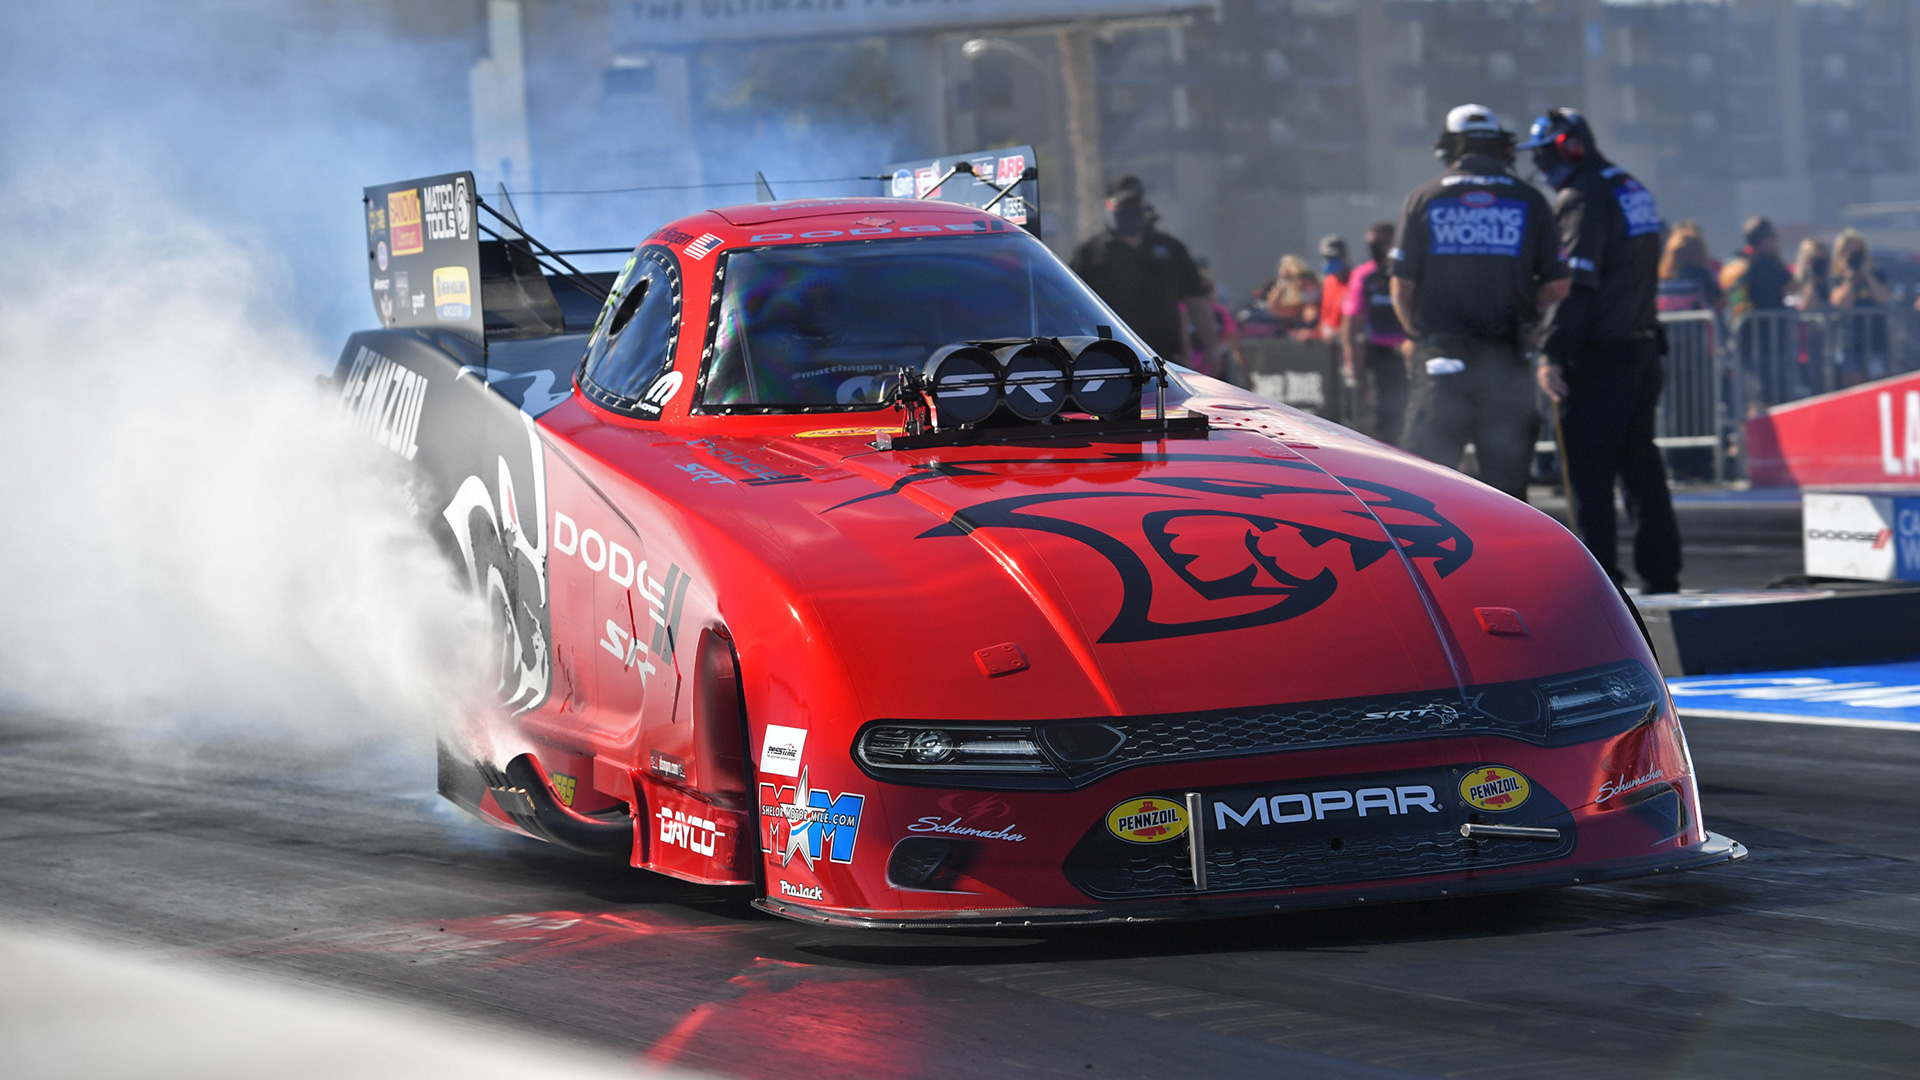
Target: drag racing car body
point(859, 554)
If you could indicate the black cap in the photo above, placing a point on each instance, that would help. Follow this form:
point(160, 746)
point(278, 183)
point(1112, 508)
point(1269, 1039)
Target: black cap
point(1125, 187)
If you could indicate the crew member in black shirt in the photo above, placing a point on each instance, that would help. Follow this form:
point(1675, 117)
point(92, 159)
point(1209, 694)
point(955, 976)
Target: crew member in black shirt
point(1146, 277)
point(1601, 355)
point(1477, 260)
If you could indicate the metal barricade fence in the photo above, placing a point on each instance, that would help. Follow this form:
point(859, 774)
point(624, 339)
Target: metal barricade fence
point(1692, 413)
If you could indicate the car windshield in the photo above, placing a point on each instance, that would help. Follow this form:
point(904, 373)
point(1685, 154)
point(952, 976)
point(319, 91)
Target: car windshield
point(827, 326)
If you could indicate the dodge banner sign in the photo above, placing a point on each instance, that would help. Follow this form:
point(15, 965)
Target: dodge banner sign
point(423, 254)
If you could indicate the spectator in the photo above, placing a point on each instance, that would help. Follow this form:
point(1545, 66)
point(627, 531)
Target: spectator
point(1687, 281)
point(1333, 285)
point(1295, 299)
point(1861, 294)
point(1254, 319)
point(1224, 361)
point(1373, 356)
point(1146, 276)
point(1812, 276)
point(1757, 280)
point(1856, 283)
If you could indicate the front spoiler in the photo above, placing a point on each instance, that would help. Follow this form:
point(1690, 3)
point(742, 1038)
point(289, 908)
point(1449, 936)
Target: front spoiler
point(1716, 850)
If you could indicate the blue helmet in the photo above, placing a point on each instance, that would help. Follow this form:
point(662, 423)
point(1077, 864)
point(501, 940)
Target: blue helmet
point(1559, 139)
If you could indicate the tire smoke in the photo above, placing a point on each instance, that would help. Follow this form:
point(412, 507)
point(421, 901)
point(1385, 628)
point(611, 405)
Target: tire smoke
point(198, 547)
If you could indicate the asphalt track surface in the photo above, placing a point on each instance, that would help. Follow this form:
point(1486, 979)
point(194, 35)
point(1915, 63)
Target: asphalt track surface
point(340, 869)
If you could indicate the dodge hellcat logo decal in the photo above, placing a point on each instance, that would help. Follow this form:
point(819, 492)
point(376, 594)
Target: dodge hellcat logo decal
point(508, 565)
point(1234, 568)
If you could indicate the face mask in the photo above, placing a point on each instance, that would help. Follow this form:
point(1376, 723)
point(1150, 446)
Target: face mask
point(1557, 170)
point(1128, 218)
point(1332, 264)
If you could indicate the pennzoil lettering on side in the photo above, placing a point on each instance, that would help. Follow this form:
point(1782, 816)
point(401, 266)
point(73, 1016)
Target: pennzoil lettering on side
point(384, 400)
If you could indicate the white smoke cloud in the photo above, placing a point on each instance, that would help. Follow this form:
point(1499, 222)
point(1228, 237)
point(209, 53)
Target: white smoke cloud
point(196, 545)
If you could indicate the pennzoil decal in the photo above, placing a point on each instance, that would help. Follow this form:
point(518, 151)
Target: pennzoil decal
point(1147, 821)
point(1494, 788)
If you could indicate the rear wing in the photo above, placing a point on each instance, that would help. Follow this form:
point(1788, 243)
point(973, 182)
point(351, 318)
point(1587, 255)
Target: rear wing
point(434, 263)
point(1004, 182)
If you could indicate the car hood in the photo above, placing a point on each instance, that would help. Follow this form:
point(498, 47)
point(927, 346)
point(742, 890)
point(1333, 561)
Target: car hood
point(1267, 561)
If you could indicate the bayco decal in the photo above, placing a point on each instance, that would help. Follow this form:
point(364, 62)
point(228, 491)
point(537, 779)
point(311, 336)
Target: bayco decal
point(695, 834)
point(1494, 788)
point(384, 401)
point(814, 823)
point(663, 596)
point(1317, 805)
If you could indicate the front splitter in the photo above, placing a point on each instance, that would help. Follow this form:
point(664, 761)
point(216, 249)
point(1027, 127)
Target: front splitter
point(1715, 851)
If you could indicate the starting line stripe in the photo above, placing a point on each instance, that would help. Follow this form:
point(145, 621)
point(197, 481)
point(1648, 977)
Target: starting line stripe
point(1781, 718)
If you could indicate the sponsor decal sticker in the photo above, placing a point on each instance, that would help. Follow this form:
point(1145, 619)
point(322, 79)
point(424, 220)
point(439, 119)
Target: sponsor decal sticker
point(661, 392)
point(664, 597)
point(702, 247)
point(449, 211)
point(689, 831)
point(1622, 784)
point(1147, 821)
point(383, 401)
point(452, 294)
point(1319, 805)
point(781, 752)
point(813, 823)
point(758, 475)
point(850, 432)
point(667, 234)
point(1009, 169)
point(800, 892)
point(403, 217)
point(923, 180)
point(666, 765)
point(380, 255)
point(955, 827)
point(903, 183)
point(564, 786)
point(1494, 788)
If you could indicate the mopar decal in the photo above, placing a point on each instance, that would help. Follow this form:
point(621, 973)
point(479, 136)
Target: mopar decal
point(1320, 805)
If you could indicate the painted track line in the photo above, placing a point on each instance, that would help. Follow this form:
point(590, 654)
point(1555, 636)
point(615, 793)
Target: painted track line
point(1784, 718)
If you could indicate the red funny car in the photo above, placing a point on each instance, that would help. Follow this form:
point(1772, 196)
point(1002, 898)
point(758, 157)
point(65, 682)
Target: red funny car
point(860, 554)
